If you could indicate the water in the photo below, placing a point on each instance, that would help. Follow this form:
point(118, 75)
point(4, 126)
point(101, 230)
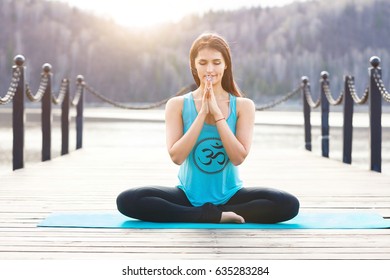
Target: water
point(290, 137)
point(33, 138)
point(107, 127)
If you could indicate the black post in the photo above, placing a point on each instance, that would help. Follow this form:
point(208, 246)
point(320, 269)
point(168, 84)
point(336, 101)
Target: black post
point(375, 116)
point(46, 115)
point(65, 122)
point(306, 114)
point(79, 115)
point(324, 116)
point(18, 117)
point(348, 122)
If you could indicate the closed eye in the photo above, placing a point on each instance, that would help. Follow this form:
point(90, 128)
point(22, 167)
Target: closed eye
point(215, 61)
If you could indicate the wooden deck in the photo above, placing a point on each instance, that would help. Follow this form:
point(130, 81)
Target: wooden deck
point(91, 178)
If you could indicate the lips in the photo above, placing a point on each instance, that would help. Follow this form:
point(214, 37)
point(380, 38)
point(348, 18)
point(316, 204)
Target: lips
point(210, 77)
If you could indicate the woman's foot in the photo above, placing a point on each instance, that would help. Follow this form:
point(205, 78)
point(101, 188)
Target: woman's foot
point(231, 217)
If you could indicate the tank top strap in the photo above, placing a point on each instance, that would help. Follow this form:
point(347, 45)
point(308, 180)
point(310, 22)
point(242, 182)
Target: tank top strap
point(233, 100)
point(189, 112)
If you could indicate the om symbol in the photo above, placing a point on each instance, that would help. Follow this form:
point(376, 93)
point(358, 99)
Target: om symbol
point(210, 155)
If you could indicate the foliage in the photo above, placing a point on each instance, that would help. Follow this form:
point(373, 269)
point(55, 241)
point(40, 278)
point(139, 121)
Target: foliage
point(272, 47)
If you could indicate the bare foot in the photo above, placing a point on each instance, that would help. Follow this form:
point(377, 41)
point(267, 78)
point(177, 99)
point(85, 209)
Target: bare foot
point(231, 217)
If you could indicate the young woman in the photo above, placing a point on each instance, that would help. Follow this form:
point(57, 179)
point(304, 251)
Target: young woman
point(209, 133)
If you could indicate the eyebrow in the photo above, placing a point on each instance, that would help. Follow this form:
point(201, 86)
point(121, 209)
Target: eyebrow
point(215, 59)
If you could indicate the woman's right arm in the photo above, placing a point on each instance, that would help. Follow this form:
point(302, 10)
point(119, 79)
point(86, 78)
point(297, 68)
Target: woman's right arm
point(179, 146)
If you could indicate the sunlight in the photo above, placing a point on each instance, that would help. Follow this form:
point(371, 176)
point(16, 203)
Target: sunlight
point(139, 13)
point(151, 12)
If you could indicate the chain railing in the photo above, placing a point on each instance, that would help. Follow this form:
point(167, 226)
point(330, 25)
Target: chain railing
point(374, 93)
point(18, 88)
point(12, 88)
point(136, 107)
point(279, 101)
point(379, 83)
point(350, 83)
point(57, 100)
point(181, 92)
point(307, 94)
point(41, 91)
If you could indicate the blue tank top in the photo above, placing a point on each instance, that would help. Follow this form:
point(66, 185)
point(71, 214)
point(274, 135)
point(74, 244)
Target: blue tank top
point(207, 175)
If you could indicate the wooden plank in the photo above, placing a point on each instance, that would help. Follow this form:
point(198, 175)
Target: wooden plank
point(190, 256)
point(90, 180)
point(185, 243)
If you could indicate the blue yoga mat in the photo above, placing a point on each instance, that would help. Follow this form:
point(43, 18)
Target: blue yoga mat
point(304, 220)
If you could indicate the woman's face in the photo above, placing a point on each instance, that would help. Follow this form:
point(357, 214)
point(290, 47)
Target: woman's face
point(210, 62)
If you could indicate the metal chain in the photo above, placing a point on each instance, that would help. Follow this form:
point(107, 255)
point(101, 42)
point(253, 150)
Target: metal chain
point(278, 101)
point(77, 96)
point(61, 94)
point(134, 107)
point(181, 92)
point(309, 99)
point(329, 96)
point(381, 86)
point(352, 90)
point(12, 88)
point(41, 91)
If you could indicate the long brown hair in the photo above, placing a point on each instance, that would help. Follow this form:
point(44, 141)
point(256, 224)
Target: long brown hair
point(216, 42)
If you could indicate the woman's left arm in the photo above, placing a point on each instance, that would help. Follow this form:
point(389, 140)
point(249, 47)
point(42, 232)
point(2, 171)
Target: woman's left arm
point(237, 146)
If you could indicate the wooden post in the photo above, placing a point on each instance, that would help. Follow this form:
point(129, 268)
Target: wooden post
point(375, 116)
point(46, 115)
point(347, 122)
point(306, 114)
point(65, 122)
point(79, 115)
point(324, 116)
point(18, 117)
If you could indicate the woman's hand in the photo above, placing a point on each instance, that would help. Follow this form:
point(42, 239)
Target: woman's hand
point(212, 104)
point(204, 109)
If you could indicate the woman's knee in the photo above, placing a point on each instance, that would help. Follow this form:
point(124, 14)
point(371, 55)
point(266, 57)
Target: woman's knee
point(124, 202)
point(286, 202)
point(128, 202)
point(290, 205)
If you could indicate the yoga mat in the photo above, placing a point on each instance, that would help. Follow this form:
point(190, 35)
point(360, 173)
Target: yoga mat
point(304, 220)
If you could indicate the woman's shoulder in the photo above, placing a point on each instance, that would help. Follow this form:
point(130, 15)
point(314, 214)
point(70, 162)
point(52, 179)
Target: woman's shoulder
point(176, 99)
point(244, 103)
point(176, 103)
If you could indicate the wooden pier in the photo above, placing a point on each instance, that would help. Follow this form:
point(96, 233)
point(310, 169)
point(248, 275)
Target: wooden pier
point(91, 178)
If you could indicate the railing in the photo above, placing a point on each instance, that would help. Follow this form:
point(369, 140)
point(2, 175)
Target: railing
point(374, 93)
point(16, 91)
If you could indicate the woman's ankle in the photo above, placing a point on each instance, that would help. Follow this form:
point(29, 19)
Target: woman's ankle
point(231, 217)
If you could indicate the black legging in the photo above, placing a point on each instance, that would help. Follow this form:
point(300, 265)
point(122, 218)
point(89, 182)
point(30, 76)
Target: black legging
point(170, 204)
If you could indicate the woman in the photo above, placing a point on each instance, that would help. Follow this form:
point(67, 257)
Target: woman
point(209, 133)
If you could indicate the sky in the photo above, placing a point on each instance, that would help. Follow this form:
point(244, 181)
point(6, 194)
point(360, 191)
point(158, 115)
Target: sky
point(145, 13)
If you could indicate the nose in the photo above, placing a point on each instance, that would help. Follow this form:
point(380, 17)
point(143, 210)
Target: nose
point(209, 67)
